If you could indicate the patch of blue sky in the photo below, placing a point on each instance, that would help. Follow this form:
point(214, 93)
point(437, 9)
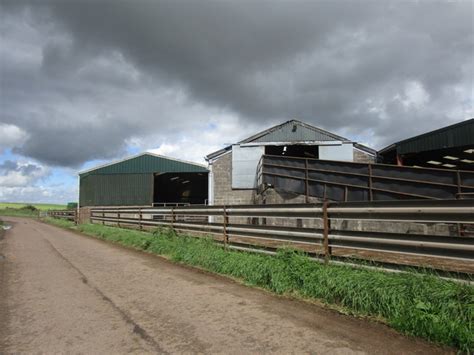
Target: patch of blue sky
point(8, 155)
point(132, 150)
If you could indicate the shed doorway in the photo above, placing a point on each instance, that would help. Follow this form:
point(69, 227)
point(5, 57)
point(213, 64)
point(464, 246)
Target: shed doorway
point(180, 188)
point(293, 150)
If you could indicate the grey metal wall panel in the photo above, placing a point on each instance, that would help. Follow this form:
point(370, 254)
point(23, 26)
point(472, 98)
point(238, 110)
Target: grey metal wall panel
point(343, 152)
point(244, 166)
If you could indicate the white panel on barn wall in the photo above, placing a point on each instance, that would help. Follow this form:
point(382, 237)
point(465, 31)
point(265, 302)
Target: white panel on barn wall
point(244, 166)
point(342, 152)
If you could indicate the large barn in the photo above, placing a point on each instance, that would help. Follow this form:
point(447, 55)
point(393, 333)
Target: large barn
point(233, 170)
point(146, 179)
point(450, 147)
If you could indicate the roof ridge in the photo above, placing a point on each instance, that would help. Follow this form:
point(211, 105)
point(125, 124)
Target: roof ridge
point(137, 156)
point(301, 123)
point(435, 131)
point(274, 128)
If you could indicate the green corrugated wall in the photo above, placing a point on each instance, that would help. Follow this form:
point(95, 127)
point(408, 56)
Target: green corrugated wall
point(116, 190)
point(458, 135)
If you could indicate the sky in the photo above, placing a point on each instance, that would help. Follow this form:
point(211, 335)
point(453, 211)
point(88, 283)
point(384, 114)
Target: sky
point(85, 82)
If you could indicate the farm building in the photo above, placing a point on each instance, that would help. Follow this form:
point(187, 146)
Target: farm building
point(450, 147)
point(144, 180)
point(233, 169)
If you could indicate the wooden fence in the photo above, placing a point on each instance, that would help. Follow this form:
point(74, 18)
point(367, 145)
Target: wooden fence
point(70, 215)
point(423, 233)
point(348, 181)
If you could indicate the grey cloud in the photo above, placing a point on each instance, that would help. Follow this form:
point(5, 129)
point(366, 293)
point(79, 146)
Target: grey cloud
point(27, 169)
point(106, 69)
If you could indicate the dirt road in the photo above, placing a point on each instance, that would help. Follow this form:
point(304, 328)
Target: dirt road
point(62, 292)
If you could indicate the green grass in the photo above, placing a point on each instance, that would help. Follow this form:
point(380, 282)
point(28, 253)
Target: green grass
point(23, 210)
point(417, 304)
point(14, 212)
point(39, 206)
point(60, 222)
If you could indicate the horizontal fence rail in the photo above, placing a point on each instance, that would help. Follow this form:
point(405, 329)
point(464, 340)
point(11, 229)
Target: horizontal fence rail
point(70, 215)
point(326, 230)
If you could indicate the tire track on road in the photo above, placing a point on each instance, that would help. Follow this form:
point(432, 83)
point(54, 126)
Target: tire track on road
point(137, 329)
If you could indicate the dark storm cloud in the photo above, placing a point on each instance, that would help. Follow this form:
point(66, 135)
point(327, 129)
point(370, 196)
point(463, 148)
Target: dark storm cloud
point(112, 70)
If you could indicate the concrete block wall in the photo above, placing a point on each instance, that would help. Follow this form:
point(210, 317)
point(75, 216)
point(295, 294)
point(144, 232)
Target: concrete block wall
point(363, 157)
point(83, 215)
point(223, 192)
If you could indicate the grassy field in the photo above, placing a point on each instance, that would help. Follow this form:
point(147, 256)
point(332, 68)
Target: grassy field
point(39, 206)
point(22, 209)
point(418, 304)
point(14, 212)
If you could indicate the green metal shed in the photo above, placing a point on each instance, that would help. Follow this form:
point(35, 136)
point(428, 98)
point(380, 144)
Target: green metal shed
point(450, 147)
point(144, 180)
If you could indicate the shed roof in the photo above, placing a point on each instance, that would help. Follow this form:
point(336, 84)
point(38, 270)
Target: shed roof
point(456, 135)
point(292, 131)
point(145, 163)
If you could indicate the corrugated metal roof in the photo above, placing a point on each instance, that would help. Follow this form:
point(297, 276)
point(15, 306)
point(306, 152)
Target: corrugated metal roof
point(285, 132)
point(294, 131)
point(146, 163)
point(457, 135)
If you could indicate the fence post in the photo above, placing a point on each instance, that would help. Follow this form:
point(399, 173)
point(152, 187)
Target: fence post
point(458, 182)
point(371, 193)
point(140, 219)
point(103, 216)
point(224, 224)
point(326, 227)
point(118, 218)
point(75, 217)
point(306, 183)
point(173, 218)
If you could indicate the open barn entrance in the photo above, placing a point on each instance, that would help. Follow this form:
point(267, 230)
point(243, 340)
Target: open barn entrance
point(182, 188)
point(293, 150)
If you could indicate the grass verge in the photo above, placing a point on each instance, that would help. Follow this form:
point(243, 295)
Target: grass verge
point(18, 212)
point(416, 304)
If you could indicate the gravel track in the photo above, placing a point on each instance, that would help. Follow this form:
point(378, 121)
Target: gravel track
point(63, 292)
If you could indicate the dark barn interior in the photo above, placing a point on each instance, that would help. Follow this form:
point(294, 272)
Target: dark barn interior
point(182, 188)
point(296, 150)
